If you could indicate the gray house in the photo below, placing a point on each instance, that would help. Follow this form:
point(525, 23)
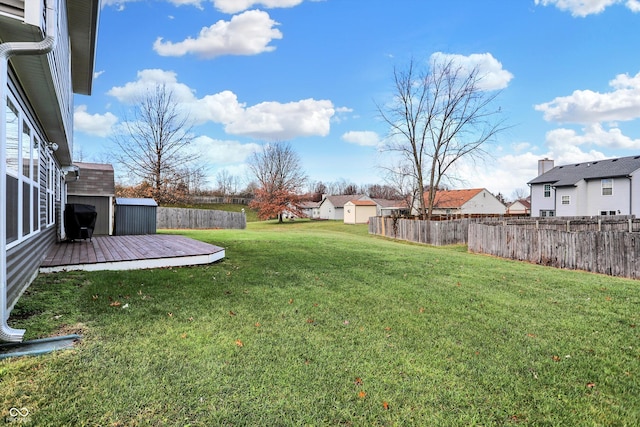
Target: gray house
point(47, 52)
point(601, 187)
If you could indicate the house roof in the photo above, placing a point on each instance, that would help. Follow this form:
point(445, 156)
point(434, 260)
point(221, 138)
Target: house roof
point(453, 199)
point(524, 202)
point(568, 175)
point(339, 201)
point(398, 204)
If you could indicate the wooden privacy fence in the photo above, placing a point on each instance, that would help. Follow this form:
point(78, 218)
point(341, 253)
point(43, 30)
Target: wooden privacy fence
point(199, 219)
point(437, 233)
point(600, 245)
point(615, 253)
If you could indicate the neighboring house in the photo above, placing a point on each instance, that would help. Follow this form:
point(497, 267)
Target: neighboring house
point(359, 211)
point(310, 209)
point(601, 187)
point(477, 201)
point(332, 207)
point(47, 53)
point(391, 207)
point(95, 186)
point(519, 207)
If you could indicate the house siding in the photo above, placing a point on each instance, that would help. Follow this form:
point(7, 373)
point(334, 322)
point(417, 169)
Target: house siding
point(539, 202)
point(484, 203)
point(23, 262)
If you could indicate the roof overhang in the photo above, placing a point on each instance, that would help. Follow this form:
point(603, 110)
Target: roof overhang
point(33, 72)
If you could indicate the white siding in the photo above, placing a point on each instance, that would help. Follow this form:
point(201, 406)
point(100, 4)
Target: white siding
point(539, 202)
point(484, 203)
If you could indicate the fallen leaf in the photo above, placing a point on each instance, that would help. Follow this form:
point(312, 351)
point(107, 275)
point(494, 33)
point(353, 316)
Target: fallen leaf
point(94, 297)
point(257, 324)
point(183, 336)
point(385, 405)
point(387, 328)
point(591, 385)
point(532, 335)
point(346, 322)
point(170, 314)
point(291, 301)
point(421, 310)
point(310, 320)
point(239, 343)
point(362, 394)
point(191, 319)
point(231, 313)
point(125, 306)
point(358, 381)
point(555, 358)
point(115, 304)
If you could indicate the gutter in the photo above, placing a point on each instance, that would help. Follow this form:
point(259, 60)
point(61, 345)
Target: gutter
point(7, 50)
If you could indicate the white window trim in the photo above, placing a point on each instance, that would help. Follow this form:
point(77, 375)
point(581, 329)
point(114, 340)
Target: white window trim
point(34, 184)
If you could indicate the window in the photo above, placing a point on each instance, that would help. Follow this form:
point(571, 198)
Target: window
point(547, 190)
point(547, 213)
point(607, 187)
point(23, 187)
point(12, 130)
point(566, 200)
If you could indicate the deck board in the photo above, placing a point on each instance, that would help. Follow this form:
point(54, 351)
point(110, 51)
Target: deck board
point(129, 252)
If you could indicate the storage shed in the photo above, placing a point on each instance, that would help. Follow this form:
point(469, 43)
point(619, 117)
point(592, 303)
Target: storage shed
point(359, 211)
point(95, 186)
point(135, 216)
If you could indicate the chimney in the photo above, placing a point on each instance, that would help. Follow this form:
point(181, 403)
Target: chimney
point(544, 165)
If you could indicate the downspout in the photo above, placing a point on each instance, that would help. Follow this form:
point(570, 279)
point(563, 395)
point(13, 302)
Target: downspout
point(7, 50)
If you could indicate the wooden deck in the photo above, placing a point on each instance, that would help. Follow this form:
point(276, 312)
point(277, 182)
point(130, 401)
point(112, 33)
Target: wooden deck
point(129, 253)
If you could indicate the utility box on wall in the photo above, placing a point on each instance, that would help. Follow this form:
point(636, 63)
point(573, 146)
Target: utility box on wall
point(135, 216)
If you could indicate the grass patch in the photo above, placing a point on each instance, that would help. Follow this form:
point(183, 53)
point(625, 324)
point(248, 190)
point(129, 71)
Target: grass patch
point(318, 323)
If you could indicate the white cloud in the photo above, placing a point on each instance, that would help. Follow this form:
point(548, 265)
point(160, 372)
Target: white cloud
point(277, 121)
point(93, 124)
point(363, 138)
point(249, 33)
point(593, 135)
point(223, 152)
point(583, 8)
point(492, 75)
point(267, 120)
point(587, 107)
point(235, 6)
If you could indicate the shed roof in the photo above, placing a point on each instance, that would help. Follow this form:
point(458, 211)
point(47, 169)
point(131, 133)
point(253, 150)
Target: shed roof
point(124, 201)
point(94, 179)
point(362, 202)
point(568, 175)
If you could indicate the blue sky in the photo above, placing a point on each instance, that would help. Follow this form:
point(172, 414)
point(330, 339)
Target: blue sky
point(312, 72)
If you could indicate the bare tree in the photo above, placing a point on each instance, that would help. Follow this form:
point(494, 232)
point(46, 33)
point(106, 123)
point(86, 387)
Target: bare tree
point(280, 181)
point(154, 144)
point(437, 118)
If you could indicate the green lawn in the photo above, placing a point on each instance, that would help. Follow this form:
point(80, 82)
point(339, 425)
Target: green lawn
point(320, 324)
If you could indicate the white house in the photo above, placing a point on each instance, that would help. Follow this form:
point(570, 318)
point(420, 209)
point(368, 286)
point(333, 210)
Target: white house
point(519, 207)
point(47, 53)
point(332, 207)
point(601, 187)
point(475, 201)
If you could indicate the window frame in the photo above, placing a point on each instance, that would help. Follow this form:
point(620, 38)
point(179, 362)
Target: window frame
point(546, 191)
point(606, 184)
point(24, 211)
